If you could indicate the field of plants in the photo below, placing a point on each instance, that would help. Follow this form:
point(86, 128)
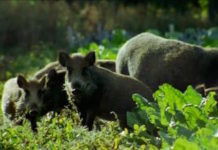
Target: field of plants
point(175, 120)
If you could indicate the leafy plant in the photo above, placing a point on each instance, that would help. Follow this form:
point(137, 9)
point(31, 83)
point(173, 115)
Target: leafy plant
point(182, 120)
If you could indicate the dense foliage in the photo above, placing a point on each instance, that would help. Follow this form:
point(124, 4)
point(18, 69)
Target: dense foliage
point(183, 120)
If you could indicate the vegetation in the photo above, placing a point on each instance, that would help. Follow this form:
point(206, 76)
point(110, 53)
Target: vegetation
point(183, 120)
point(68, 23)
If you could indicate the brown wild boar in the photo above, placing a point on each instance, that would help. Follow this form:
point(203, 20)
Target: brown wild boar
point(109, 64)
point(22, 98)
point(98, 91)
point(155, 60)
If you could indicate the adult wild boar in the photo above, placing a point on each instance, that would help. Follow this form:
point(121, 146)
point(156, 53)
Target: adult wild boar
point(98, 91)
point(155, 60)
point(22, 98)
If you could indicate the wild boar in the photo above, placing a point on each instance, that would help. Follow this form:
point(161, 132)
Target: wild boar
point(98, 91)
point(55, 97)
point(109, 64)
point(45, 70)
point(155, 60)
point(22, 98)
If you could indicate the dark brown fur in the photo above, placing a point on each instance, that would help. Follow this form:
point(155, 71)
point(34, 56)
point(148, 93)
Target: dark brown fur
point(55, 97)
point(99, 91)
point(155, 60)
point(109, 64)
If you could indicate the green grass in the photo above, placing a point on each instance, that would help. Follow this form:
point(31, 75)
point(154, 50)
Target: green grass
point(59, 133)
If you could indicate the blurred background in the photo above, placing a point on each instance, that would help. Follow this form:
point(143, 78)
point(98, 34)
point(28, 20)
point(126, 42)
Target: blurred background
point(32, 31)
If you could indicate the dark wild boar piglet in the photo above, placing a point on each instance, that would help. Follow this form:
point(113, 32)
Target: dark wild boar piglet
point(22, 98)
point(55, 97)
point(108, 64)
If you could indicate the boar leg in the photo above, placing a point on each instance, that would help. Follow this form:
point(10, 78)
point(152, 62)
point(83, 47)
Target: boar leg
point(33, 124)
point(201, 89)
point(90, 119)
point(82, 113)
point(87, 117)
point(83, 117)
point(123, 121)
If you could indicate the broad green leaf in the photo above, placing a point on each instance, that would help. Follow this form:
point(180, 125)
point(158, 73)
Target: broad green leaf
point(166, 139)
point(207, 137)
point(140, 118)
point(194, 117)
point(136, 117)
point(184, 144)
point(210, 105)
point(140, 100)
point(150, 109)
point(179, 130)
point(192, 97)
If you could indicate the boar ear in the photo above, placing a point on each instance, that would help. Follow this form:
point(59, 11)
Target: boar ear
point(90, 58)
point(52, 74)
point(63, 57)
point(21, 81)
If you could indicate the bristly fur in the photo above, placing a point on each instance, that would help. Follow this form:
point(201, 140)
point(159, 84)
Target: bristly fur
point(155, 60)
point(99, 91)
point(55, 97)
point(22, 99)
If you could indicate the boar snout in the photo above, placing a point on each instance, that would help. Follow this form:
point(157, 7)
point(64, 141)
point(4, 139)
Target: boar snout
point(33, 113)
point(76, 88)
